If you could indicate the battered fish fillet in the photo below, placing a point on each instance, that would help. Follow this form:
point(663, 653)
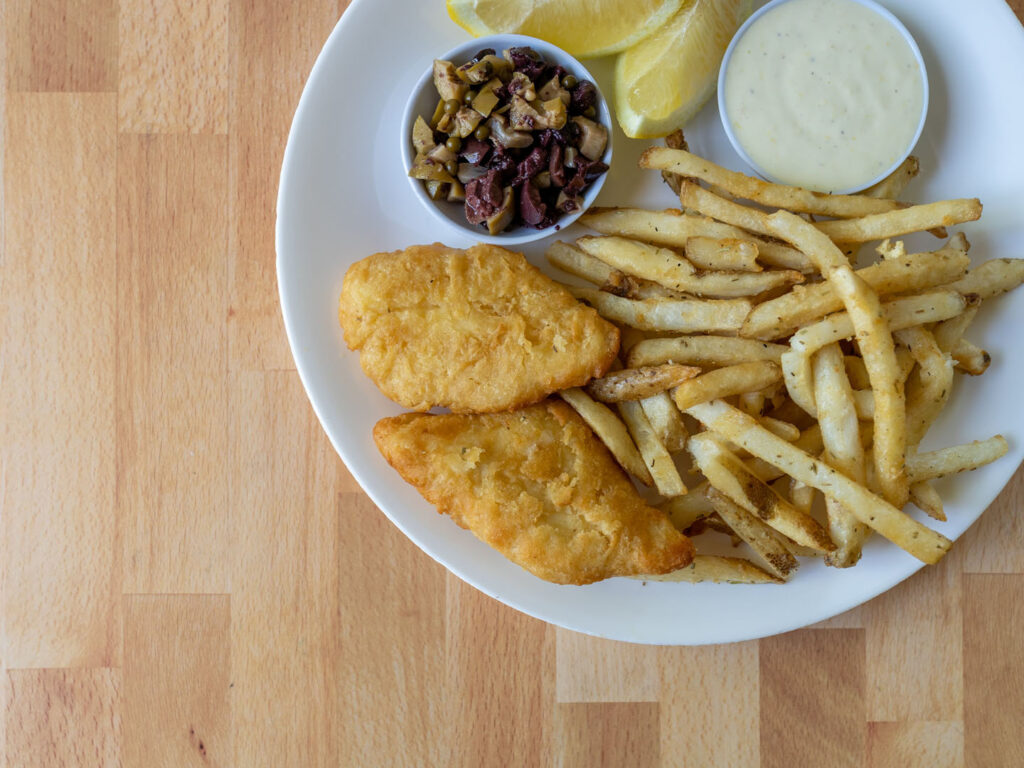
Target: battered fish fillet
point(477, 331)
point(539, 487)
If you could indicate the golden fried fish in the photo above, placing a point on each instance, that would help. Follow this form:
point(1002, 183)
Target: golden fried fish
point(538, 486)
point(477, 331)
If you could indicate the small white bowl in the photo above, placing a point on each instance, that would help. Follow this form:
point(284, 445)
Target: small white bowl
point(727, 124)
point(423, 100)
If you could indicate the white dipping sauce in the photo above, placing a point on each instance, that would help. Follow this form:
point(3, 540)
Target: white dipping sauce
point(824, 94)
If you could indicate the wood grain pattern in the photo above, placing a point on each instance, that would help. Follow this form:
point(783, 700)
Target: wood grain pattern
point(64, 718)
point(173, 66)
point(813, 698)
point(914, 648)
point(915, 745)
point(285, 603)
point(499, 691)
point(595, 669)
point(614, 733)
point(62, 45)
point(710, 699)
point(190, 576)
point(59, 529)
point(995, 544)
point(176, 681)
point(394, 650)
point(993, 670)
point(273, 46)
point(172, 362)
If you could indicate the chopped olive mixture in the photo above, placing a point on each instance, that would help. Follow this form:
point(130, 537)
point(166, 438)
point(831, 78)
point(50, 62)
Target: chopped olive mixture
point(513, 138)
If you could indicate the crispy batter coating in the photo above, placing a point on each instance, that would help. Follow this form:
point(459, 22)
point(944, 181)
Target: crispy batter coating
point(537, 485)
point(478, 331)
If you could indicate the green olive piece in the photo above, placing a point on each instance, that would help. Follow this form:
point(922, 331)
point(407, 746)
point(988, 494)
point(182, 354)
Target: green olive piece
point(468, 98)
point(454, 143)
point(482, 132)
point(569, 82)
point(590, 112)
point(451, 106)
point(452, 166)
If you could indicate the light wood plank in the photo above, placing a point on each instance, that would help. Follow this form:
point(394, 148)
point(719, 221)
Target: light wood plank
point(851, 619)
point(500, 682)
point(609, 734)
point(173, 65)
point(273, 45)
point(995, 544)
point(812, 698)
point(62, 45)
point(59, 531)
point(915, 745)
point(594, 669)
point(914, 647)
point(176, 678)
point(709, 705)
point(392, 630)
point(993, 670)
point(285, 610)
point(172, 363)
point(64, 718)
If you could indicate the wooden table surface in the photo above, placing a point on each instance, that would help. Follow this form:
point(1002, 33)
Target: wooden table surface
point(191, 577)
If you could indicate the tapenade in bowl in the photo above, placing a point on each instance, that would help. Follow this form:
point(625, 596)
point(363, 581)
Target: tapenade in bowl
point(506, 138)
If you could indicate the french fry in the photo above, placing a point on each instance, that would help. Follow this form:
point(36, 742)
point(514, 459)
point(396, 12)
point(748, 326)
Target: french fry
point(991, 278)
point(726, 473)
point(970, 358)
point(949, 332)
point(916, 218)
point(675, 140)
point(904, 312)
point(856, 372)
point(723, 382)
point(683, 315)
point(685, 164)
point(659, 463)
point(667, 268)
point(840, 434)
point(752, 403)
point(920, 541)
point(924, 495)
point(571, 259)
point(876, 346)
point(666, 420)
point(783, 429)
point(684, 511)
point(611, 431)
point(638, 383)
point(929, 386)
point(798, 374)
point(723, 253)
point(956, 458)
point(717, 569)
point(673, 228)
point(892, 186)
point(703, 351)
point(779, 317)
point(864, 403)
point(759, 537)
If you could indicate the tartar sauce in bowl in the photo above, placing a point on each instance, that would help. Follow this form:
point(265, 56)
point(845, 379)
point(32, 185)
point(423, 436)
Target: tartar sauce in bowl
point(829, 95)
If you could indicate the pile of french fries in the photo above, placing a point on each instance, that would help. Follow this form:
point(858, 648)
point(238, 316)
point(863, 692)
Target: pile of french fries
point(803, 377)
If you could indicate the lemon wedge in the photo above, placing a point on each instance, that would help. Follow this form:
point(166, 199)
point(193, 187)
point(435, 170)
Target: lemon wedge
point(662, 81)
point(585, 30)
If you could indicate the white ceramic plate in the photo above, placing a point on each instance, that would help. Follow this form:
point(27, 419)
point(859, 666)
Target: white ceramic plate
point(344, 196)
